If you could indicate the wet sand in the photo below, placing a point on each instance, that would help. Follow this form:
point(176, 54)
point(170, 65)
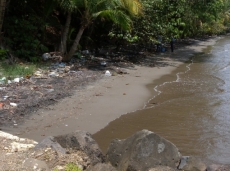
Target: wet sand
point(93, 107)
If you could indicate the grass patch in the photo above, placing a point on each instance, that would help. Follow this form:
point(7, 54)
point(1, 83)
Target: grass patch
point(72, 167)
point(16, 70)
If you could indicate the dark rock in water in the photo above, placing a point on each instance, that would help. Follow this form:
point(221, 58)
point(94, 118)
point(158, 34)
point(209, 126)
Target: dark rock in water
point(76, 141)
point(162, 168)
point(102, 167)
point(142, 151)
point(190, 163)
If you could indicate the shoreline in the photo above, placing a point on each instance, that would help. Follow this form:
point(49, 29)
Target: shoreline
point(92, 108)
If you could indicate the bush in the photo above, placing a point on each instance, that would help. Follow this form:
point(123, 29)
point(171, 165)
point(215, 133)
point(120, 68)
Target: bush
point(3, 54)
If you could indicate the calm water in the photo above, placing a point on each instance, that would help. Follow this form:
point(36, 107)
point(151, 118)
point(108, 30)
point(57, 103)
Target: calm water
point(191, 110)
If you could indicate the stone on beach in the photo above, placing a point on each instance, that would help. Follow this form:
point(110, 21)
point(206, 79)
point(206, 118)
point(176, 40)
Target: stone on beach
point(76, 141)
point(142, 151)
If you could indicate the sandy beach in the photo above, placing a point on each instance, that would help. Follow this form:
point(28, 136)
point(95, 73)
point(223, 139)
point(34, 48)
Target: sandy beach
point(99, 103)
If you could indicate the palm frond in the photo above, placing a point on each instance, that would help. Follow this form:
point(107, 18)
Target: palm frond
point(133, 7)
point(117, 16)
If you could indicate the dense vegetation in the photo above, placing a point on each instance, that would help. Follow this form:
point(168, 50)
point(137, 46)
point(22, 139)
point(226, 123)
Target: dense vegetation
point(32, 27)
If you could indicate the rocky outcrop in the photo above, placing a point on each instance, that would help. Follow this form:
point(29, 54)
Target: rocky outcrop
point(76, 141)
point(142, 151)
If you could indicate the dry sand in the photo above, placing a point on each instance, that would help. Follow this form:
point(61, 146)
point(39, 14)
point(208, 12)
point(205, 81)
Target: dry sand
point(93, 107)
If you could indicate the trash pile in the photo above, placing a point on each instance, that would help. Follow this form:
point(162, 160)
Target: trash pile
point(23, 95)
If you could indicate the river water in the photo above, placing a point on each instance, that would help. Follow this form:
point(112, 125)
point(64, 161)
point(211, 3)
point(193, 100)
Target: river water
point(190, 108)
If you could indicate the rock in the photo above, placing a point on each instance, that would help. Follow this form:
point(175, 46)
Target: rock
point(190, 163)
point(216, 167)
point(34, 164)
point(142, 151)
point(50, 142)
point(82, 140)
point(102, 167)
point(76, 141)
point(162, 168)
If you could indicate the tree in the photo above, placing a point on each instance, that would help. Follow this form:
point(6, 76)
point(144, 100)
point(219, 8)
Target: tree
point(2, 12)
point(118, 11)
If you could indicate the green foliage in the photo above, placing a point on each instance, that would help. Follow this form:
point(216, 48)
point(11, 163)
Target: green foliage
point(23, 37)
point(3, 54)
point(72, 167)
point(34, 27)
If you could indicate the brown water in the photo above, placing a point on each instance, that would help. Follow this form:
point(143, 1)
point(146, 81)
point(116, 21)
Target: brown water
point(190, 108)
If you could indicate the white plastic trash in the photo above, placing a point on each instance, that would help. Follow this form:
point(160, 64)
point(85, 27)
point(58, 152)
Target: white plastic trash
point(107, 73)
point(5, 97)
point(13, 104)
point(103, 63)
point(16, 80)
point(38, 73)
point(46, 56)
point(53, 74)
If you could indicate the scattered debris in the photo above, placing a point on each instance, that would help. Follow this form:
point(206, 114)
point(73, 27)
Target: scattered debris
point(13, 104)
point(56, 81)
point(17, 80)
point(107, 73)
point(103, 63)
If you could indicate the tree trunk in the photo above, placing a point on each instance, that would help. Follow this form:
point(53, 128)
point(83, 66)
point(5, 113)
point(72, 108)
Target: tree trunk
point(75, 44)
point(63, 43)
point(2, 12)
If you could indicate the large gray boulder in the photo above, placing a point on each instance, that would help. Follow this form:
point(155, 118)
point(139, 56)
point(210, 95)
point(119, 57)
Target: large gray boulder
point(76, 141)
point(142, 151)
